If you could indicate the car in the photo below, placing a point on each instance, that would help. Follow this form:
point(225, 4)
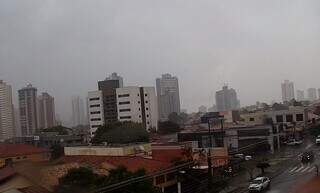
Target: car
point(318, 140)
point(293, 142)
point(259, 184)
point(307, 157)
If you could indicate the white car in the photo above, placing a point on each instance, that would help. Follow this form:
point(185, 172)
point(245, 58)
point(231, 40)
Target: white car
point(259, 184)
point(318, 140)
point(293, 142)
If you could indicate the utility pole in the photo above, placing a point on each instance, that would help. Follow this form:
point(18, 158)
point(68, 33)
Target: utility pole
point(209, 158)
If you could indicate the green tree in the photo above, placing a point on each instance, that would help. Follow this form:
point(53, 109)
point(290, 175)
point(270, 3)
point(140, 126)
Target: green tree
point(168, 127)
point(58, 129)
point(262, 166)
point(121, 132)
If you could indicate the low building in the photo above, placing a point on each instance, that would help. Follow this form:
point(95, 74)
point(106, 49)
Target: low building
point(13, 153)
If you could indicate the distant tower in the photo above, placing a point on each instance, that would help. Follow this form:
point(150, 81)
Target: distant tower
point(226, 99)
point(287, 88)
point(312, 94)
point(77, 111)
point(7, 129)
point(46, 111)
point(300, 95)
point(28, 110)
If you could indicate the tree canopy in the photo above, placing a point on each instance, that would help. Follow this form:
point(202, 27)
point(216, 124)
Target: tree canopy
point(168, 127)
point(178, 118)
point(83, 180)
point(121, 132)
point(61, 130)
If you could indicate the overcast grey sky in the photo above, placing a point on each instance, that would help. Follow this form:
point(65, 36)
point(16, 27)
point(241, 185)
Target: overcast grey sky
point(65, 46)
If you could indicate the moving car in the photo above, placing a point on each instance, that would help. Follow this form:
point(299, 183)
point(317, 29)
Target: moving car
point(307, 157)
point(259, 184)
point(293, 142)
point(318, 140)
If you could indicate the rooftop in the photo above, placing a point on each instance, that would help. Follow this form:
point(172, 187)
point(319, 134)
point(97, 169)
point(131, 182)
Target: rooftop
point(11, 150)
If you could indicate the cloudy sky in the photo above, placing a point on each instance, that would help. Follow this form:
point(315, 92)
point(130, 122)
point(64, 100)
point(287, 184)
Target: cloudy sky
point(65, 46)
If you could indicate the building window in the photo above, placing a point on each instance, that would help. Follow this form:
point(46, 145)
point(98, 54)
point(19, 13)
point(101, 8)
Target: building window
point(146, 101)
point(299, 117)
point(95, 126)
point(124, 103)
point(98, 105)
point(147, 115)
point(145, 94)
point(125, 117)
point(95, 119)
point(124, 110)
point(95, 112)
point(279, 118)
point(94, 99)
point(123, 95)
point(139, 116)
point(139, 109)
point(148, 123)
point(289, 118)
point(138, 102)
point(147, 108)
point(251, 119)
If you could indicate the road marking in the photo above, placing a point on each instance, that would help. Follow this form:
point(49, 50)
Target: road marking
point(293, 169)
point(308, 147)
point(312, 168)
point(305, 169)
point(298, 170)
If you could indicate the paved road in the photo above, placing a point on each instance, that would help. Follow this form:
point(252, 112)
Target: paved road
point(296, 174)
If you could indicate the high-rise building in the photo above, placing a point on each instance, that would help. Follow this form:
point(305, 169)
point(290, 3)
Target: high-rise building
point(77, 111)
point(108, 88)
point(168, 96)
point(7, 129)
point(300, 95)
point(138, 104)
point(28, 110)
point(226, 99)
point(46, 111)
point(319, 93)
point(95, 111)
point(202, 109)
point(115, 76)
point(312, 94)
point(287, 91)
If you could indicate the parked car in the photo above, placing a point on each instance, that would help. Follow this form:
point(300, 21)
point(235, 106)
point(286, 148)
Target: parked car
point(293, 142)
point(259, 184)
point(307, 157)
point(318, 140)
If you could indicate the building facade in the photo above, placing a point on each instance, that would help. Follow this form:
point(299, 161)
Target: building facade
point(46, 111)
point(28, 110)
point(7, 128)
point(115, 76)
point(138, 104)
point(300, 95)
point(226, 99)
point(78, 114)
point(168, 96)
point(287, 88)
point(312, 94)
point(95, 111)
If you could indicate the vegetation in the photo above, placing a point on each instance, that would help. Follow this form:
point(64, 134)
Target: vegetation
point(262, 166)
point(58, 129)
point(121, 132)
point(56, 151)
point(82, 180)
point(168, 127)
point(178, 118)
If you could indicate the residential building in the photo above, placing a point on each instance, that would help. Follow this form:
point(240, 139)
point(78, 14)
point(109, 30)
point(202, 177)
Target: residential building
point(108, 88)
point(115, 76)
point(28, 110)
point(46, 111)
point(287, 91)
point(202, 109)
point(300, 95)
point(226, 99)
point(138, 104)
point(78, 114)
point(168, 96)
point(95, 111)
point(312, 94)
point(7, 126)
point(318, 93)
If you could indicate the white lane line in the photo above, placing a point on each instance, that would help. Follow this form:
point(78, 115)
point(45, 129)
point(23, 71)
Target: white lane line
point(298, 170)
point(312, 168)
point(305, 169)
point(308, 147)
point(293, 169)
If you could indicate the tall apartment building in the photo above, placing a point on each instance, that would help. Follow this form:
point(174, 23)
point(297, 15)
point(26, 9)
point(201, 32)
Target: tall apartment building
point(78, 114)
point(168, 96)
point(226, 99)
point(312, 94)
point(108, 88)
point(46, 111)
point(287, 88)
point(28, 110)
point(115, 76)
point(319, 93)
point(138, 104)
point(7, 129)
point(300, 95)
point(95, 111)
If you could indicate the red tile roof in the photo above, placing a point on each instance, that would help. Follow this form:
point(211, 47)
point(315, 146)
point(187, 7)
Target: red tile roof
point(6, 173)
point(167, 155)
point(11, 150)
point(131, 163)
point(34, 189)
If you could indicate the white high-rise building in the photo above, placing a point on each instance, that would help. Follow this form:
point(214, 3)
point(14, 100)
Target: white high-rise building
point(95, 111)
point(300, 95)
point(7, 129)
point(78, 114)
point(287, 91)
point(46, 111)
point(226, 99)
point(115, 76)
point(168, 96)
point(138, 104)
point(28, 110)
point(319, 93)
point(312, 94)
